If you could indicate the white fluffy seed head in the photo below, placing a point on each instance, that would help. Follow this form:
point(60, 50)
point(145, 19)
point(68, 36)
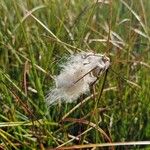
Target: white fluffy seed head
point(76, 76)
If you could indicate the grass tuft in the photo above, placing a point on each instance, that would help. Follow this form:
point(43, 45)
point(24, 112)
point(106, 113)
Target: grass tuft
point(37, 36)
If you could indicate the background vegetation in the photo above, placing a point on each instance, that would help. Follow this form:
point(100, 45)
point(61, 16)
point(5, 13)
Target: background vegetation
point(37, 35)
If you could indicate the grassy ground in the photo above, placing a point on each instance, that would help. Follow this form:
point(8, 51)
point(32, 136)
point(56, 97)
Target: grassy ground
point(36, 35)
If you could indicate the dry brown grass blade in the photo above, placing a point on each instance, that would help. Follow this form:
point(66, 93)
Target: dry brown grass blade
point(87, 146)
point(82, 121)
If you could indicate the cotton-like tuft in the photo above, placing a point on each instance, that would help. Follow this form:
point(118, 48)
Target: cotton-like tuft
point(76, 76)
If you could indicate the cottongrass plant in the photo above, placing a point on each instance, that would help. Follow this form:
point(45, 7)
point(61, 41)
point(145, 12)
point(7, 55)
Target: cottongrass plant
point(77, 74)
